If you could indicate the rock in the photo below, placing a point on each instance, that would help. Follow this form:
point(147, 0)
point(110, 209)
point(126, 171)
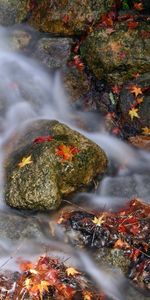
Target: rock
point(53, 52)
point(54, 171)
point(8, 11)
point(118, 55)
point(128, 100)
point(140, 141)
point(62, 17)
point(18, 227)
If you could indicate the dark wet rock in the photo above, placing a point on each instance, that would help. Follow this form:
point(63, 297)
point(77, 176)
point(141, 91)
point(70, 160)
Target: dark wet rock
point(62, 17)
point(118, 55)
point(116, 239)
point(53, 52)
point(16, 227)
point(128, 100)
point(55, 171)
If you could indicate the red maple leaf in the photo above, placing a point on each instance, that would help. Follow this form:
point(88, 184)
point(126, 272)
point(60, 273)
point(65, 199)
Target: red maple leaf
point(133, 25)
point(42, 139)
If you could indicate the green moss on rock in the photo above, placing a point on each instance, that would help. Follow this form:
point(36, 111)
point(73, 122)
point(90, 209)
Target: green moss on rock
point(118, 55)
point(42, 184)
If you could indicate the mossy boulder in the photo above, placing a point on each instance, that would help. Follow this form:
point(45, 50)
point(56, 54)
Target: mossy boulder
point(59, 166)
point(118, 54)
point(62, 17)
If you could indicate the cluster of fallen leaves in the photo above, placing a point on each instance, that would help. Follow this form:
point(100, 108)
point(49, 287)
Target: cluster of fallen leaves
point(138, 94)
point(49, 278)
point(127, 229)
point(66, 152)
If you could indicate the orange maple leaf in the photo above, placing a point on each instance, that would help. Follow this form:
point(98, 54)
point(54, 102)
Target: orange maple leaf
point(138, 6)
point(25, 161)
point(67, 152)
point(133, 113)
point(135, 89)
point(146, 130)
point(121, 244)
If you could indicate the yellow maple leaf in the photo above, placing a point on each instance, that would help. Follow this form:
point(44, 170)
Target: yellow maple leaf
point(27, 283)
point(71, 271)
point(146, 130)
point(43, 287)
point(25, 161)
point(99, 221)
point(87, 295)
point(135, 89)
point(133, 113)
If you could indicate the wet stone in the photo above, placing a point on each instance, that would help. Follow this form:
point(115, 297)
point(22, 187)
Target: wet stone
point(61, 161)
point(118, 55)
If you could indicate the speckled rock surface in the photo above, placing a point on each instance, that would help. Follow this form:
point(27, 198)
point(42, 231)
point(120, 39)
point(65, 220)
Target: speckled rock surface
point(51, 175)
point(8, 11)
point(118, 55)
point(63, 17)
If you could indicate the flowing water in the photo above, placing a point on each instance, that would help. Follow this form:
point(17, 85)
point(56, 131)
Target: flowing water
point(29, 92)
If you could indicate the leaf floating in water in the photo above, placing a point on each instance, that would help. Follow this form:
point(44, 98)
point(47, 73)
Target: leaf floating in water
point(42, 139)
point(25, 161)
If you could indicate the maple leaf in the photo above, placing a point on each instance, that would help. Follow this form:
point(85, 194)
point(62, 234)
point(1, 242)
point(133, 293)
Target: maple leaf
point(133, 24)
point(133, 113)
point(71, 271)
point(146, 130)
point(25, 161)
point(87, 295)
point(138, 6)
point(67, 152)
point(99, 221)
point(42, 139)
point(27, 283)
point(43, 287)
point(136, 90)
point(121, 244)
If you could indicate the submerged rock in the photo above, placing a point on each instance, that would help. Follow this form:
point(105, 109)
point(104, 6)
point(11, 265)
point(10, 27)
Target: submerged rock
point(59, 161)
point(119, 54)
point(62, 17)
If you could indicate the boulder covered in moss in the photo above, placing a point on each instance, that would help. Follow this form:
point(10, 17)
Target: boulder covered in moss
point(116, 54)
point(63, 17)
point(50, 162)
point(135, 105)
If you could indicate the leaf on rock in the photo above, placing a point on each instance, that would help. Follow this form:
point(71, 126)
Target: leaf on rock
point(42, 139)
point(146, 130)
point(66, 152)
point(138, 6)
point(133, 113)
point(133, 24)
point(99, 221)
point(25, 161)
point(135, 89)
point(72, 272)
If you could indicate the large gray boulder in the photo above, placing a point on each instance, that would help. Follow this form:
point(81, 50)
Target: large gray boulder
point(54, 168)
